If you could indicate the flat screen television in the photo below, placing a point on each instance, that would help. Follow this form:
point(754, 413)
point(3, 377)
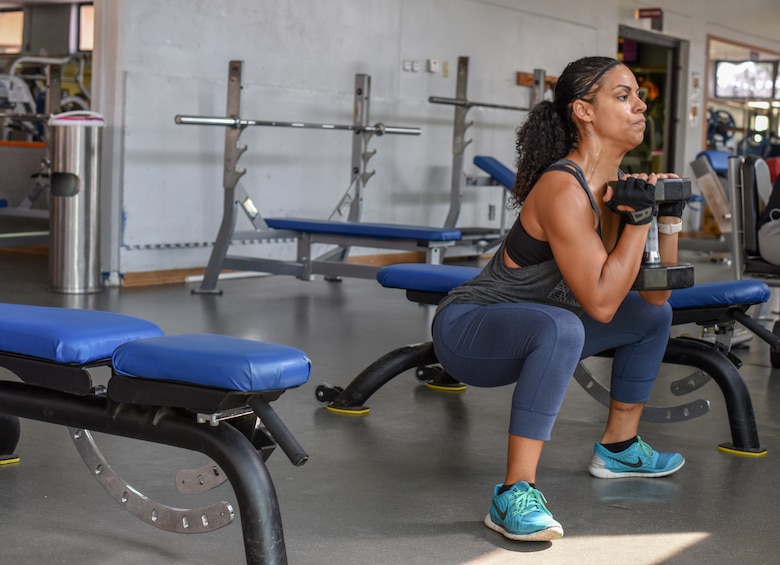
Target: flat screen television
point(754, 80)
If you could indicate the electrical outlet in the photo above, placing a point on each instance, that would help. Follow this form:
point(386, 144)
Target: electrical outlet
point(406, 65)
point(433, 65)
point(415, 66)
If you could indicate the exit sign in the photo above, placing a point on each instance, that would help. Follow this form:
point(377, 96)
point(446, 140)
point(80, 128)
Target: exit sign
point(652, 13)
point(655, 15)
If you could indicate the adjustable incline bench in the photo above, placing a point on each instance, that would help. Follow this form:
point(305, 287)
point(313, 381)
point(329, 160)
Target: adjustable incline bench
point(499, 172)
point(175, 390)
point(716, 304)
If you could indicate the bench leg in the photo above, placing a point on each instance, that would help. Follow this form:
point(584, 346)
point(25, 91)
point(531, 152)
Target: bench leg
point(9, 438)
point(227, 446)
point(381, 371)
point(742, 421)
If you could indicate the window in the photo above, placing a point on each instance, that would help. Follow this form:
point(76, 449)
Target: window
point(745, 79)
point(11, 28)
point(86, 27)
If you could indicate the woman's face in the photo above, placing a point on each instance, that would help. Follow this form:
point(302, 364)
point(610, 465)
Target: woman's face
point(619, 112)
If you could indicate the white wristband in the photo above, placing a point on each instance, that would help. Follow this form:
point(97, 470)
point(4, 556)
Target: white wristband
point(669, 229)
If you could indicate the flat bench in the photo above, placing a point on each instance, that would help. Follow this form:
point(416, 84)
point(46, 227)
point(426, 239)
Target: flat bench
point(718, 305)
point(307, 232)
point(202, 392)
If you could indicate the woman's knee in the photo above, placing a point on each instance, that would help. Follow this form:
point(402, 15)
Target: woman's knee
point(559, 331)
point(637, 311)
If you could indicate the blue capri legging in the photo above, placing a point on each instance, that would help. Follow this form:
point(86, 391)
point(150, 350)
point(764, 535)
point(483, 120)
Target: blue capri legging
point(538, 346)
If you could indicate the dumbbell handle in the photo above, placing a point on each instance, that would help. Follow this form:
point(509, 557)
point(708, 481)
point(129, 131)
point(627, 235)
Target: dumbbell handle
point(651, 255)
point(666, 190)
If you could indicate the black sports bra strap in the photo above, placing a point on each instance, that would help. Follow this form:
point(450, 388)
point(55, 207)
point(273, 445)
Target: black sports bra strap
point(574, 169)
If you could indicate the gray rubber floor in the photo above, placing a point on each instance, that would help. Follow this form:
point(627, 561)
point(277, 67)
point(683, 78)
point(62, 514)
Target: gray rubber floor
point(410, 482)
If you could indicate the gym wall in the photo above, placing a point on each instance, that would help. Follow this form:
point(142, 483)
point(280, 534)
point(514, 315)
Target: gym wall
point(165, 57)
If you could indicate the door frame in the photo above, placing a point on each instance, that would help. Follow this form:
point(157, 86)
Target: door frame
point(674, 131)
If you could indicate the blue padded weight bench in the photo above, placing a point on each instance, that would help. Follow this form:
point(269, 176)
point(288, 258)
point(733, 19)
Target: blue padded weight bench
point(433, 242)
point(175, 390)
point(718, 305)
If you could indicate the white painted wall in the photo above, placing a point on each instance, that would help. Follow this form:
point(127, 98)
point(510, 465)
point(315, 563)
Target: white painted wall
point(159, 58)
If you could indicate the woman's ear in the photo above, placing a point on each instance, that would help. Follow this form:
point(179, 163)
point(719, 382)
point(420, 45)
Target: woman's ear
point(582, 110)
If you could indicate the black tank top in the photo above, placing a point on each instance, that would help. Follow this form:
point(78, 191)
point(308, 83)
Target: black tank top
point(526, 250)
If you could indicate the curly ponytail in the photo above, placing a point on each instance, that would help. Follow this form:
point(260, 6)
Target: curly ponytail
point(549, 133)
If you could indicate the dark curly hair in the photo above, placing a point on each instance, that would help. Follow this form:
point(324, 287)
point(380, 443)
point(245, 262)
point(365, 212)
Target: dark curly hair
point(549, 133)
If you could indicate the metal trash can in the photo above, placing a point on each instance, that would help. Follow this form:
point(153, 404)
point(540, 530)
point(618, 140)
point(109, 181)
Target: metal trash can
point(74, 246)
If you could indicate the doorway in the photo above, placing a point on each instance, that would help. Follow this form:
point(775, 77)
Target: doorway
point(655, 60)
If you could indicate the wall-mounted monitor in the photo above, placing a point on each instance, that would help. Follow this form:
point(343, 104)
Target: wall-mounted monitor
point(753, 80)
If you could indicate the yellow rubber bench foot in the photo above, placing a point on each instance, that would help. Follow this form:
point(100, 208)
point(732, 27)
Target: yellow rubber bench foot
point(350, 411)
point(446, 388)
point(731, 450)
point(9, 459)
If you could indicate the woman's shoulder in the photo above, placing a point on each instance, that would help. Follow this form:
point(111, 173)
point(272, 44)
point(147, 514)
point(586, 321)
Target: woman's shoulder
point(563, 174)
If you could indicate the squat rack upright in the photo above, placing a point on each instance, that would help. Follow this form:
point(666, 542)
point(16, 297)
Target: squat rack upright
point(480, 239)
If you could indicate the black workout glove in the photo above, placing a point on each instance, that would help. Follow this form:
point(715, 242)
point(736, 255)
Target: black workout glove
point(671, 208)
point(637, 194)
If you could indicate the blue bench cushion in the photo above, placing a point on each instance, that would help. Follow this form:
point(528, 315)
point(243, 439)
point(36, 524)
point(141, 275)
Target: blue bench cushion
point(216, 361)
point(68, 335)
point(384, 231)
point(724, 293)
point(425, 277)
point(496, 169)
point(719, 160)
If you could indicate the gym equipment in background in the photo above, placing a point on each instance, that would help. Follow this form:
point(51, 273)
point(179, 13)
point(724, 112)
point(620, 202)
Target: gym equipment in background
point(25, 138)
point(720, 128)
point(307, 232)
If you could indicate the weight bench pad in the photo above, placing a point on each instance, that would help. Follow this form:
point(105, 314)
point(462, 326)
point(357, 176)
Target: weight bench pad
point(719, 160)
point(496, 169)
point(68, 335)
point(383, 231)
point(212, 360)
point(424, 277)
point(723, 293)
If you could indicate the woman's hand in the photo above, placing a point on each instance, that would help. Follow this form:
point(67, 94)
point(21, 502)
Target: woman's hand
point(670, 212)
point(633, 197)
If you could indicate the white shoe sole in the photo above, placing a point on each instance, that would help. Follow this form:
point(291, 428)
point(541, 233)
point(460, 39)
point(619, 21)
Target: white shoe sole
point(597, 469)
point(548, 534)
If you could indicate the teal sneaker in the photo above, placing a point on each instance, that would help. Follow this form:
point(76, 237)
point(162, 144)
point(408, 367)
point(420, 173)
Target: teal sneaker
point(520, 514)
point(639, 460)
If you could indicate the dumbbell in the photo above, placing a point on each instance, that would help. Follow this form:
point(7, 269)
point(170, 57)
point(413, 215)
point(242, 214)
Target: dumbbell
point(654, 274)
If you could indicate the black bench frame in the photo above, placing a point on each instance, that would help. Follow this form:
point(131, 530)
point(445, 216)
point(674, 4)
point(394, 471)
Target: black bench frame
point(166, 413)
point(713, 359)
